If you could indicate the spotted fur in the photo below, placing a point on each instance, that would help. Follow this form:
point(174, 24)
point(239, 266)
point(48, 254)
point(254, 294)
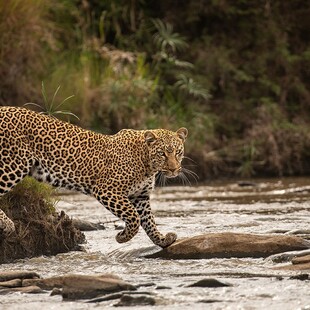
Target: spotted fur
point(119, 170)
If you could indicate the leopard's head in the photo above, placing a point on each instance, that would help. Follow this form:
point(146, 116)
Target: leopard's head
point(166, 150)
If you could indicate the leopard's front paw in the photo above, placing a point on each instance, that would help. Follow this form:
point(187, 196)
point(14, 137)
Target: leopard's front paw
point(127, 234)
point(121, 237)
point(168, 240)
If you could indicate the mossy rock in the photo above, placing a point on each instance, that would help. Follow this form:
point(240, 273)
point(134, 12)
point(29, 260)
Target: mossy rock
point(40, 230)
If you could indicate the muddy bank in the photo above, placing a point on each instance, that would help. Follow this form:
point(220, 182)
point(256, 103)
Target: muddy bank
point(39, 229)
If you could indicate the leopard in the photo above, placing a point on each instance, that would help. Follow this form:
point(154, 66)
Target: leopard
point(119, 170)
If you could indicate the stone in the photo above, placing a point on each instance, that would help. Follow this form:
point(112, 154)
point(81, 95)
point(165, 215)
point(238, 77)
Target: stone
point(59, 281)
point(296, 267)
point(105, 298)
point(86, 225)
point(301, 276)
point(10, 275)
point(11, 283)
point(117, 296)
point(228, 244)
point(301, 260)
point(208, 283)
point(86, 287)
point(130, 301)
point(288, 256)
point(56, 291)
point(162, 287)
point(45, 284)
point(81, 286)
point(26, 290)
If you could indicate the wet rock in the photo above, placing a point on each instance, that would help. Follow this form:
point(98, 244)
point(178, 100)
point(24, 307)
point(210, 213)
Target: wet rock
point(129, 301)
point(117, 296)
point(106, 298)
point(81, 286)
point(301, 260)
point(10, 275)
point(56, 291)
point(301, 263)
point(45, 284)
point(299, 232)
point(247, 184)
point(83, 225)
point(208, 283)
point(227, 244)
point(26, 290)
point(11, 283)
point(210, 301)
point(163, 287)
point(288, 256)
point(59, 281)
point(147, 284)
point(298, 267)
point(302, 277)
point(85, 287)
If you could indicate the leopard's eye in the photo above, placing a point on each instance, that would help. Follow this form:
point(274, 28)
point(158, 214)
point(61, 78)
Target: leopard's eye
point(160, 153)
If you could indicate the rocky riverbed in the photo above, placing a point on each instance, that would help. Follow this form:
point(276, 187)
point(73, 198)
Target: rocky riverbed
point(245, 224)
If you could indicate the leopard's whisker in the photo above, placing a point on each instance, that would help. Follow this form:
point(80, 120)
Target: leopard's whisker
point(190, 173)
point(185, 180)
point(186, 157)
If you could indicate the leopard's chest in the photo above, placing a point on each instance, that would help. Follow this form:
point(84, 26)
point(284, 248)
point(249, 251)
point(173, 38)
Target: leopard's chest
point(139, 187)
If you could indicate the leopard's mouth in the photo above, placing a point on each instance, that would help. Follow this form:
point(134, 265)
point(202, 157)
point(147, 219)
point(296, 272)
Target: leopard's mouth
point(172, 173)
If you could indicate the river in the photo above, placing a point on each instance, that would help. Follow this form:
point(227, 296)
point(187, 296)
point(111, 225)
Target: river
point(258, 206)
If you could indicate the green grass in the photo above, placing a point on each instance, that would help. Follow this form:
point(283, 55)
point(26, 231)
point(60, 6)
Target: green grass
point(29, 191)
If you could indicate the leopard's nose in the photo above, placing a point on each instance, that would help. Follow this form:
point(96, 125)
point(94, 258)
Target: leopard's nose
point(175, 171)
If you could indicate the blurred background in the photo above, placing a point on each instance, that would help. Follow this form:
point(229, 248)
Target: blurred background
point(234, 72)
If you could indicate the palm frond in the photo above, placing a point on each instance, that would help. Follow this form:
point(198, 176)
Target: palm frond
point(191, 87)
point(166, 39)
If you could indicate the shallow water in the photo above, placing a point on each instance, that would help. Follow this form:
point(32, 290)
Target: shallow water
point(260, 206)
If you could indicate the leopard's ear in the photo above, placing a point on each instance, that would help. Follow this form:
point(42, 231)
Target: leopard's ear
point(182, 133)
point(149, 137)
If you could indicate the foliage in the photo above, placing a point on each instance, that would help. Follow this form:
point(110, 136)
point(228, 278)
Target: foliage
point(49, 107)
point(233, 72)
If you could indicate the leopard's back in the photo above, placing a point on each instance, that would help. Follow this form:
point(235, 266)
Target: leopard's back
point(46, 148)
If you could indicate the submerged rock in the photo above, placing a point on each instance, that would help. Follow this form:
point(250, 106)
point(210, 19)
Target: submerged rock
point(130, 301)
point(26, 290)
point(82, 286)
point(227, 244)
point(288, 256)
point(10, 275)
point(208, 283)
point(301, 277)
point(300, 263)
point(301, 260)
point(84, 225)
point(85, 287)
point(72, 286)
point(11, 283)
